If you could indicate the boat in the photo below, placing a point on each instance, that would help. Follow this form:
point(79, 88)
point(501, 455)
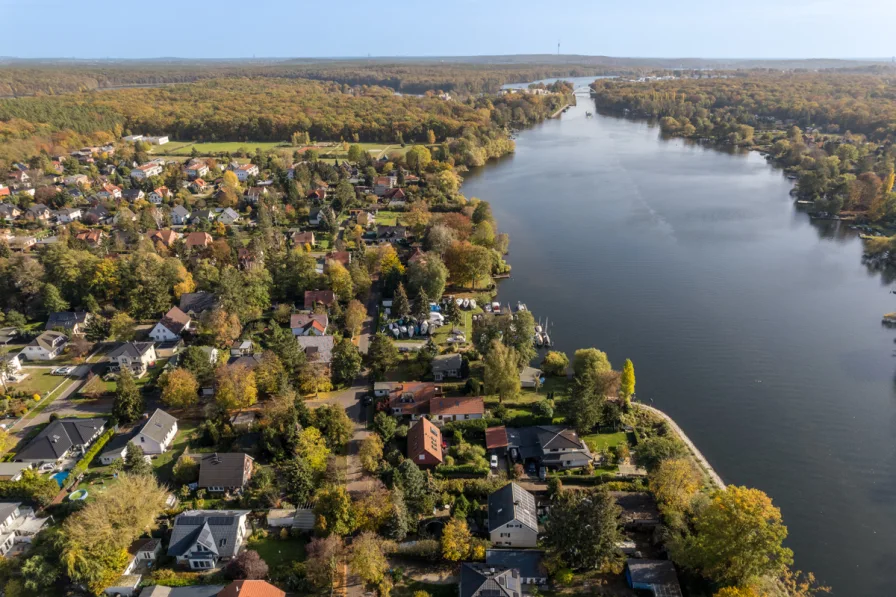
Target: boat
point(424, 328)
point(538, 329)
point(410, 331)
point(459, 302)
point(472, 303)
point(395, 332)
point(521, 306)
point(466, 304)
point(539, 339)
point(403, 329)
point(496, 308)
point(547, 340)
point(488, 307)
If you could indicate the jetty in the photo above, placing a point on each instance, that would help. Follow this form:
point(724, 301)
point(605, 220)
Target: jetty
point(560, 111)
point(697, 455)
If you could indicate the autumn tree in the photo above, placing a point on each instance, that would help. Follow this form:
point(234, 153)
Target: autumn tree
point(354, 316)
point(457, 541)
point(323, 556)
point(429, 274)
point(247, 565)
point(235, 387)
point(334, 511)
point(590, 359)
point(220, 327)
point(737, 538)
point(674, 483)
point(368, 558)
point(269, 373)
point(627, 379)
point(122, 327)
point(129, 404)
point(340, 280)
point(180, 389)
point(334, 425)
point(371, 453)
point(555, 363)
point(501, 371)
point(468, 263)
point(312, 447)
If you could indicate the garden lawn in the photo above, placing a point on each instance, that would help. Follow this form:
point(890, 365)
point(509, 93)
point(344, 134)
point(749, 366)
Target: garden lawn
point(186, 148)
point(409, 587)
point(39, 381)
point(164, 463)
point(388, 218)
point(599, 442)
point(275, 551)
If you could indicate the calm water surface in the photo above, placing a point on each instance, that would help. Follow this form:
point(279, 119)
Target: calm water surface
point(757, 330)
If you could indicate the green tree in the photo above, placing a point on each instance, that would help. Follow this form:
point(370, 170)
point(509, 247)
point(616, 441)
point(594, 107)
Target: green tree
point(135, 460)
point(501, 371)
point(368, 558)
point(186, 470)
point(418, 158)
point(340, 281)
point(429, 274)
point(334, 425)
point(578, 545)
point(355, 314)
point(122, 327)
point(346, 363)
point(297, 480)
point(738, 538)
point(590, 359)
point(400, 305)
point(371, 452)
point(385, 426)
point(334, 510)
point(654, 450)
point(52, 299)
point(555, 363)
point(381, 354)
point(129, 404)
point(355, 153)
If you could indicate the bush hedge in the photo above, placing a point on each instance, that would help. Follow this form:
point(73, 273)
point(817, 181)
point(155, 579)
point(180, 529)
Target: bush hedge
point(91, 453)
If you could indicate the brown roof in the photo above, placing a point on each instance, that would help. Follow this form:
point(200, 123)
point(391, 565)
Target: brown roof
point(176, 320)
point(251, 588)
point(301, 238)
point(226, 469)
point(462, 405)
point(425, 443)
point(413, 398)
point(343, 257)
point(496, 437)
point(313, 297)
point(199, 239)
point(90, 236)
point(166, 236)
point(318, 321)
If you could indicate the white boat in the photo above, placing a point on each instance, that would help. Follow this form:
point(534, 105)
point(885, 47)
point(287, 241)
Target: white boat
point(472, 303)
point(466, 304)
point(521, 307)
point(459, 302)
point(424, 328)
point(410, 331)
point(547, 340)
point(395, 332)
point(538, 329)
point(539, 340)
point(488, 307)
point(403, 329)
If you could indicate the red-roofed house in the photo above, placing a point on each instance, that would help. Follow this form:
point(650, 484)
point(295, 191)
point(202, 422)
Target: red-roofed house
point(314, 297)
point(425, 444)
point(309, 324)
point(303, 238)
point(411, 399)
point(462, 408)
point(198, 240)
point(166, 237)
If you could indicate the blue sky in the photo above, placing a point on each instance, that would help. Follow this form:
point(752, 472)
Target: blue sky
point(284, 28)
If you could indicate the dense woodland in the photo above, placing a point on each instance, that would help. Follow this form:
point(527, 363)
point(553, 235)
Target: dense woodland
point(261, 110)
point(834, 132)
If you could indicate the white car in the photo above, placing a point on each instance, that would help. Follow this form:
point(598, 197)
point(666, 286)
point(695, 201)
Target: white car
point(62, 370)
point(494, 461)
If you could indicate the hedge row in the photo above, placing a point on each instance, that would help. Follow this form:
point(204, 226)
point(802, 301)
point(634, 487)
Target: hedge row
point(91, 453)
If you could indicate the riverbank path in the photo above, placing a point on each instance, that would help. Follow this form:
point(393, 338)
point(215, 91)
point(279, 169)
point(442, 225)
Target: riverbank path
point(698, 456)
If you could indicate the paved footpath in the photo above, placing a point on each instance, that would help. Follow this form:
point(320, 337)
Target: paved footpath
point(698, 456)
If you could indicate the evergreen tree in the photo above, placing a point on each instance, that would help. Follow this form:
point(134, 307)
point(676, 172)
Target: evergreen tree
point(128, 406)
point(420, 308)
point(400, 305)
point(52, 299)
point(382, 354)
point(346, 361)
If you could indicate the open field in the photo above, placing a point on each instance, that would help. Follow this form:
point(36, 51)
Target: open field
point(39, 381)
point(186, 147)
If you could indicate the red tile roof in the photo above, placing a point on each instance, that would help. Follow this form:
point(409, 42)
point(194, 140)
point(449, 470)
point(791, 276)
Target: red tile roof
point(312, 297)
point(496, 437)
point(198, 239)
point(251, 588)
point(462, 405)
point(413, 398)
point(425, 443)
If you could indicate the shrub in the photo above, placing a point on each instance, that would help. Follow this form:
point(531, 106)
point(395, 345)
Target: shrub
point(426, 549)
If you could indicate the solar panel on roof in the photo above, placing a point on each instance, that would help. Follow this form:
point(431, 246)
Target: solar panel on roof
point(221, 520)
point(190, 520)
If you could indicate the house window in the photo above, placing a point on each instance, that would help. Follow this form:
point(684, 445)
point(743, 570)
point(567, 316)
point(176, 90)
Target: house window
point(222, 542)
point(142, 439)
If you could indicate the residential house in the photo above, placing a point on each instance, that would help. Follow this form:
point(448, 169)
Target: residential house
point(196, 169)
point(224, 471)
point(229, 216)
point(20, 176)
point(157, 433)
point(425, 443)
point(9, 212)
point(201, 539)
point(157, 196)
point(160, 140)
point(13, 471)
point(253, 194)
point(552, 446)
point(657, 577)
point(174, 323)
point(530, 563)
point(98, 214)
point(496, 441)
point(301, 239)
point(198, 240)
point(142, 555)
point(18, 524)
point(139, 356)
point(410, 399)
point(317, 196)
point(319, 297)
point(11, 368)
point(207, 215)
point(165, 236)
point(309, 324)
point(241, 348)
point(316, 216)
point(342, 257)
point(247, 258)
point(4, 191)
point(146, 171)
point(116, 448)
point(46, 347)
point(91, 237)
point(73, 322)
point(243, 422)
point(38, 212)
point(366, 219)
point(195, 304)
point(109, 191)
point(391, 234)
point(318, 349)
point(530, 377)
point(132, 195)
point(482, 580)
point(79, 180)
point(447, 366)
point(244, 171)
point(381, 184)
point(199, 186)
point(124, 215)
point(61, 438)
point(395, 195)
point(512, 517)
point(251, 588)
point(21, 243)
point(179, 215)
point(68, 215)
point(461, 408)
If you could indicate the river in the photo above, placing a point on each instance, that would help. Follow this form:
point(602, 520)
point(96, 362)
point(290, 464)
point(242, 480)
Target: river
point(755, 328)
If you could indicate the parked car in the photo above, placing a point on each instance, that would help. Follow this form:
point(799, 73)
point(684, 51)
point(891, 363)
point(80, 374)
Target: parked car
point(366, 400)
point(543, 473)
point(531, 469)
point(494, 461)
point(62, 371)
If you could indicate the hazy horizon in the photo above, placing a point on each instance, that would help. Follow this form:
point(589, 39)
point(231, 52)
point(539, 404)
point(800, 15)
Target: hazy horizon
point(762, 30)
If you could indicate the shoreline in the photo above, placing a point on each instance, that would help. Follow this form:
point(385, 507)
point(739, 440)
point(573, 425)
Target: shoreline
point(695, 452)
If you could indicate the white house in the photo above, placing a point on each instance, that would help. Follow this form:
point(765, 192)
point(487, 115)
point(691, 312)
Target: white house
point(161, 140)
point(229, 216)
point(136, 355)
point(66, 216)
point(201, 539)
point(157, 434)
point(146, 170)
point(171, 326)
point(180, 215)
point(196, 169)
point(46, 347)
point(18, 524)
point(512, 517)
point(244, 171)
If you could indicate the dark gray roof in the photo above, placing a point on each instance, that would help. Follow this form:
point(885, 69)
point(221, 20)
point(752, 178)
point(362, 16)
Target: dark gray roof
point(318, 349)
point(197, 591)
point(447, 362)
point(211, 525)
point(528, 561)
point(533, 442)
point(58, 437)
point(222, 469)
point(7, 508)
point(180, 210)
point(557, 437)
point(130, 349)
point(659, 575)
point(159, 425)
point(197, 302)
point(511, 502)
point(483, 580)
point(66, 319)
point(118, 443)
